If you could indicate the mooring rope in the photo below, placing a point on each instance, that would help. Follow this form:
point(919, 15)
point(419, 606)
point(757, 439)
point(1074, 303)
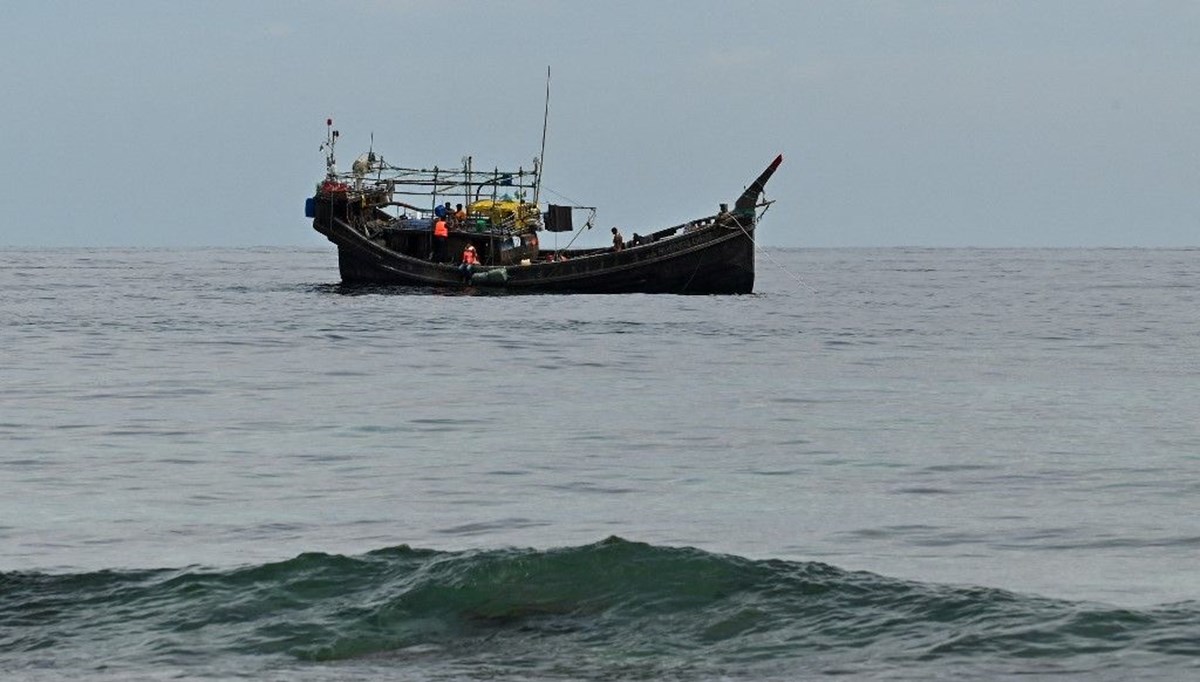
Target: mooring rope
point(764, 252)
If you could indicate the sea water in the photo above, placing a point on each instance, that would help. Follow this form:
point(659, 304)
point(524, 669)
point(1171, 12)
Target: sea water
point(884, 464)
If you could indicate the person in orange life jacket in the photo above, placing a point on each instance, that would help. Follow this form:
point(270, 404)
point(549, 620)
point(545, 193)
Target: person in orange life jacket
point(441, 231)
point(469, 260)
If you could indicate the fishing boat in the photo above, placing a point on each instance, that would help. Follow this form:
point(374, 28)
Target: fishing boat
point(382, 218)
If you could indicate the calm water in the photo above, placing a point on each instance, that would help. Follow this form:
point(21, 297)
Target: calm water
point(895, 464)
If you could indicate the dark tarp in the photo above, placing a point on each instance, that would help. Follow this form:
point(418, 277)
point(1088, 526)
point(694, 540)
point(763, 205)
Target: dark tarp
point(558, 219)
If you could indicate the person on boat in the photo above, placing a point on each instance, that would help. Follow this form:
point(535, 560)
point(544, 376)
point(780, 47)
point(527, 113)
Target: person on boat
point(469, 260)
point(618, 240)
point(460, 214)
point(441, 232)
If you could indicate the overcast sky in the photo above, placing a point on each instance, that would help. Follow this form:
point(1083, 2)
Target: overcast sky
point(1036, 123)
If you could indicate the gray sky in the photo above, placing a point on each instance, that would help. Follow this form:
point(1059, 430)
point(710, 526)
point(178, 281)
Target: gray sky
point(1015, 123)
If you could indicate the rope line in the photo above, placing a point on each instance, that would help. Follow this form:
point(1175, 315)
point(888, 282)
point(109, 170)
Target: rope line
point(764, 252)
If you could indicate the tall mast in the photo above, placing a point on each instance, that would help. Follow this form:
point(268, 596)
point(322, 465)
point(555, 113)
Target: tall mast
point(541, 165)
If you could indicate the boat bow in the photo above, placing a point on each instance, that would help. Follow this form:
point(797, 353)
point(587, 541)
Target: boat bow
point(749, 198)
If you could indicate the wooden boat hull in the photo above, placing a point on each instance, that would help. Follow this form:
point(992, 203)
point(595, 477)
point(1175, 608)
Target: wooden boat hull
point(711, 260)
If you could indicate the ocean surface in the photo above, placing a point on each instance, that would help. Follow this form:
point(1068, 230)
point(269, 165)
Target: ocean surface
point(904, 464)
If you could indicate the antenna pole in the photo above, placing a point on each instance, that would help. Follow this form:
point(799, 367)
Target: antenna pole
point(537, 185)
point(331, 136)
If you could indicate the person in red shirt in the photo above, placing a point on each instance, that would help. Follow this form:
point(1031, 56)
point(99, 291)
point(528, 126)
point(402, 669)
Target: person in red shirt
point(469, 260)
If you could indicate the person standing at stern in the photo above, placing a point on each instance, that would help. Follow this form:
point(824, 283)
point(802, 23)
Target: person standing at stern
point(441, 232)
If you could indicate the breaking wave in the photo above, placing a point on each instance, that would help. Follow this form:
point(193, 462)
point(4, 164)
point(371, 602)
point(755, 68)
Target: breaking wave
point(614, 609)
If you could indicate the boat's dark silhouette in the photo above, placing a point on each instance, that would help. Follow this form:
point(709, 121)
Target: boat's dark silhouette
point(712, 254)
